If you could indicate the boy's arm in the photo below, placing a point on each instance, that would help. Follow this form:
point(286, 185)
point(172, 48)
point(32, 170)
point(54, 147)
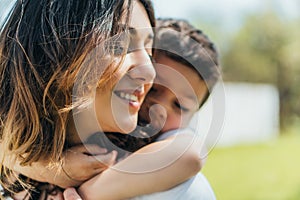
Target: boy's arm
point(168, 162)
point(77, 167)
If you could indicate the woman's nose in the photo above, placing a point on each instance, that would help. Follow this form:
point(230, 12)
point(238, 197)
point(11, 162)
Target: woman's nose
point(142, 68)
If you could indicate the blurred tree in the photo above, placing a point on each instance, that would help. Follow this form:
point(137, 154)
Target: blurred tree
point(266, 50)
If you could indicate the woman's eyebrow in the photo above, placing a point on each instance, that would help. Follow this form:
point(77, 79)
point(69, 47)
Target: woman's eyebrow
point(131, 29)
point(134, 32)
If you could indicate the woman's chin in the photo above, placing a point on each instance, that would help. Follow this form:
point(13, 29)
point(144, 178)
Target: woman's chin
point(127, 127)
point(127, 130)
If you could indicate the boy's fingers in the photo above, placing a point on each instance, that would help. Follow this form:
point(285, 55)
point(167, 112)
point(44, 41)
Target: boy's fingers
point(71, 194)
point(94, 149)
point(88, 149)
point(107, 159)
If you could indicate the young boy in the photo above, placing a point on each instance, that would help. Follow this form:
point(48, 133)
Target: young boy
point(187, 70)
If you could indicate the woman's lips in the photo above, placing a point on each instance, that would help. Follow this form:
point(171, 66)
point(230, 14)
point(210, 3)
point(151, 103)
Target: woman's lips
point(127, 96)
point(133, 98)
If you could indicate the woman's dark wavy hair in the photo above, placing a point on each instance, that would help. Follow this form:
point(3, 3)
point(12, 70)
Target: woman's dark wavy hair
point(42, 46)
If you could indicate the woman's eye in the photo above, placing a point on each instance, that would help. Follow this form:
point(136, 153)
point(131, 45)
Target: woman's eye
point(119, 48)
point(178, 105)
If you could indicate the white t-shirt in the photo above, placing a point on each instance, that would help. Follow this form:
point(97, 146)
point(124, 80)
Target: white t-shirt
point(196, 188)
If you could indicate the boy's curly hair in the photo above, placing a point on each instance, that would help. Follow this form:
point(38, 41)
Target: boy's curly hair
point(182, 42)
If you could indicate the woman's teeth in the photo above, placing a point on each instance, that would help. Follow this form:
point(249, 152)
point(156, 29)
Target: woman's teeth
point(129, 97)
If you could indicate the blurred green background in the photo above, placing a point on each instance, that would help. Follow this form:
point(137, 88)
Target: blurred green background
point(259, 43)
point(263, 171)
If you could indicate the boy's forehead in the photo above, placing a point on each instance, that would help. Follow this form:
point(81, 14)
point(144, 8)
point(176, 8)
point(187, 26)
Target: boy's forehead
point(172, 79)
point(182, 80)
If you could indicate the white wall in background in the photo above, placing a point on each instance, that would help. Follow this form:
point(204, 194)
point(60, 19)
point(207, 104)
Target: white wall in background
point(251, 114)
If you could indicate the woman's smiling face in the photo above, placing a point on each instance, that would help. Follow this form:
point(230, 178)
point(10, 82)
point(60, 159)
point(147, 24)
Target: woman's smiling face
point(117, 107)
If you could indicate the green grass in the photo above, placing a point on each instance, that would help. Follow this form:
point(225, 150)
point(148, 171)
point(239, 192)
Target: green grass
point(266, 171)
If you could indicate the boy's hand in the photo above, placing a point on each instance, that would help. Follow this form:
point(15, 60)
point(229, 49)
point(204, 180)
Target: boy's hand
point(82, 162)
point(71, 194)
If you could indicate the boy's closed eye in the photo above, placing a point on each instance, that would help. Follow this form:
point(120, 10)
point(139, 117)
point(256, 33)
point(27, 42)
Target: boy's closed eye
point(155, 89)
point(181, 107)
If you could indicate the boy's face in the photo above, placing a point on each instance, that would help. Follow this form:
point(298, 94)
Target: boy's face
point(175, 96)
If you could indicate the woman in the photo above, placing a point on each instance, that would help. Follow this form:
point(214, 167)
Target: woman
point(74, 82)
point(50, 51)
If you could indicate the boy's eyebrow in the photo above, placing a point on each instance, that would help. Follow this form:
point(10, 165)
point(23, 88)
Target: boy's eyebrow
point(192, 97)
